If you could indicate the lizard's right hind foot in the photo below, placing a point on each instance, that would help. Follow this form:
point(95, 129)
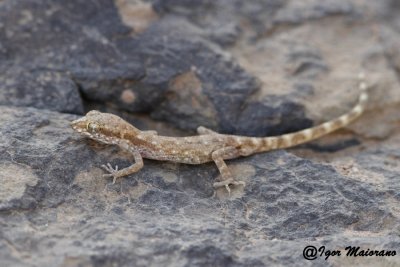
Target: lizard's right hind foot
point(227, 179)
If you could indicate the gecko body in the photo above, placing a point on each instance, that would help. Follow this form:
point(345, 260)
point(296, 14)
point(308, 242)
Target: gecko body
point(206, 147)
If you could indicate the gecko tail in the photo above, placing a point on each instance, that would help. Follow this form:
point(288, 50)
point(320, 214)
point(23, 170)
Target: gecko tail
point(306, 135)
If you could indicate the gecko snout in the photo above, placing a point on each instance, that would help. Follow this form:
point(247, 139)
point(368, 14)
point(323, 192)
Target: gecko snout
point(79, 124)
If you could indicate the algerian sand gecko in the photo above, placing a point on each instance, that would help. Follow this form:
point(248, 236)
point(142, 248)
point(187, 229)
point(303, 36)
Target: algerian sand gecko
point(205, 147)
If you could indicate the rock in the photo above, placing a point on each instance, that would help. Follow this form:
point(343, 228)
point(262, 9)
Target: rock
point(242, 67)
point(45, 89)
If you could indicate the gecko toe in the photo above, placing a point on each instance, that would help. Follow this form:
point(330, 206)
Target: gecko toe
point(227, 183)
point(109, 168)
point(112, 172)
point(228, 189)
point(238, 183)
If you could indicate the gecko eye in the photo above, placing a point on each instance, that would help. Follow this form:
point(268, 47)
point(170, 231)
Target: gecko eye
point(92, 127)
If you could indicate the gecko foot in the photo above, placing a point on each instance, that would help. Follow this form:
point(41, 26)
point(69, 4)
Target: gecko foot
point(227, 183)
point(112, 172)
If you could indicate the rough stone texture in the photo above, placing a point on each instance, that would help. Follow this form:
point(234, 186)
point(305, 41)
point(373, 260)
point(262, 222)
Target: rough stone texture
point(246, 67)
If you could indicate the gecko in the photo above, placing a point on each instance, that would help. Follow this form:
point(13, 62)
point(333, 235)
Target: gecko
point(207, 146)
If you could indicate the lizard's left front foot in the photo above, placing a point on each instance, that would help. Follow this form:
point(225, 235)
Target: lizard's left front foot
point(226, 183)
point(112, 172)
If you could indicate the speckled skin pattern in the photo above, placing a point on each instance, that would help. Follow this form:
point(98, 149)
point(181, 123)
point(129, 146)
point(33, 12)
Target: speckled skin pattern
point(205, 147)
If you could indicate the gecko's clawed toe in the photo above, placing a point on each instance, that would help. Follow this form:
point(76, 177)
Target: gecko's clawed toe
point(227, 183)
point(110, 169)
point(112, 172)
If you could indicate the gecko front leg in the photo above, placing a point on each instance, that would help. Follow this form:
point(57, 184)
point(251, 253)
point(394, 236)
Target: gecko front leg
point(218, 157)
point(115, 173)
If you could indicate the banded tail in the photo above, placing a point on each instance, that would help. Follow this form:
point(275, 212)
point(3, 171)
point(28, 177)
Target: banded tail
point(262, 144)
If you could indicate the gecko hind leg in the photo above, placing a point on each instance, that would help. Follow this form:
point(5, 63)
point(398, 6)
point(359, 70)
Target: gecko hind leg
point(218, 157)
point(115, 173)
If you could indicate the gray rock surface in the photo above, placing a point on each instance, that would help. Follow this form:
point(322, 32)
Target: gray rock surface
point(245, 67)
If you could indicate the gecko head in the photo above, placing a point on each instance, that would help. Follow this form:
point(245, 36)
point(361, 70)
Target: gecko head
point(103, 127)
